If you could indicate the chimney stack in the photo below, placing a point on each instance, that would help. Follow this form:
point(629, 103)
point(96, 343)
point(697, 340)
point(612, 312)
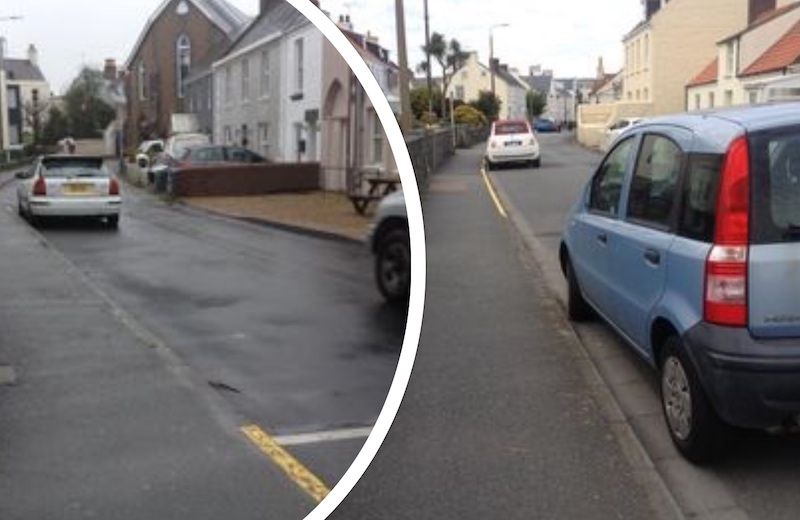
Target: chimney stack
point(345, 23)
point(33, 55)
point(110, 69)
point(759, 8)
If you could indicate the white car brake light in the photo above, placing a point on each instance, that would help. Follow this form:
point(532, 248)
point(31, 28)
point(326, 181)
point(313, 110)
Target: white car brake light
point(40, 187)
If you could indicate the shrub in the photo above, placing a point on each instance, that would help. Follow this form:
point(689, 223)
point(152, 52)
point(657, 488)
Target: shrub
point(468, 115)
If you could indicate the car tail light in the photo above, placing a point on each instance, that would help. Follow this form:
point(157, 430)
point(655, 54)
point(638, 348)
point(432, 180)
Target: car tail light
point(493, 143)
point(726, 267)
point(113, 187)
point(532, 141)
point(40, 187)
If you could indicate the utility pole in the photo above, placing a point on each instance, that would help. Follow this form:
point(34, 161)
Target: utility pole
point(491, 55)
point(402, 56)
point(428, 57)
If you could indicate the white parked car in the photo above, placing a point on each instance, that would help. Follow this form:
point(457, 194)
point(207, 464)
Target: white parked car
point(391, 245)
point(148, 151)
point(174, 150)
point(69, 186)
point(512, 142)
point(618, 128)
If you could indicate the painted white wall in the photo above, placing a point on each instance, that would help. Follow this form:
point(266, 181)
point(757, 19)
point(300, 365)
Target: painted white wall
point(26, 89)
point(293, 111)
point(3, 111)
point(254, 110)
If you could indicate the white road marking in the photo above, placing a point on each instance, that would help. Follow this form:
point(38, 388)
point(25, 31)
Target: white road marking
point(303, 439)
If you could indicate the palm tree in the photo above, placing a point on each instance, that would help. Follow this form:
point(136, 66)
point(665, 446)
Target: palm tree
point(450, 58)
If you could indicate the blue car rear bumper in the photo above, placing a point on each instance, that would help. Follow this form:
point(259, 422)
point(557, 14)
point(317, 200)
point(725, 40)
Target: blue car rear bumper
point(752, 383)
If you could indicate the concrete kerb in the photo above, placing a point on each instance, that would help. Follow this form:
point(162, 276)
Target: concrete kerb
point(280, 226)
point(660, 495)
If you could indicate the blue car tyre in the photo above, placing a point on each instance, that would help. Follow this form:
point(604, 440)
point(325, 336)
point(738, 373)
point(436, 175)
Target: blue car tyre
point(694, 426)
point(577, 307)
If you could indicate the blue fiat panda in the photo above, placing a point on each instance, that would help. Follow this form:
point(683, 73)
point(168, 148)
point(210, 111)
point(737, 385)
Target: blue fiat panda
point(687, 241)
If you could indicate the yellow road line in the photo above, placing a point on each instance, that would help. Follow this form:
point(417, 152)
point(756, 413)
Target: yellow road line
point(293, 468)
point(493, 193)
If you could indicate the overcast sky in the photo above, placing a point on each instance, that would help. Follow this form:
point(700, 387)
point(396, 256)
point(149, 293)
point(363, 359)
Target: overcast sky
point(567, 35)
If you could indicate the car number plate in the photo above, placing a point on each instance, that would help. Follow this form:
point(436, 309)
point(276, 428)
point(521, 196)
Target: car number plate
point(76, 189)
point(513, 143)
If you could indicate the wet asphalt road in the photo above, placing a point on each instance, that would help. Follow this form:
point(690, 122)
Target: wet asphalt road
point(287, 330)
point(759, 478)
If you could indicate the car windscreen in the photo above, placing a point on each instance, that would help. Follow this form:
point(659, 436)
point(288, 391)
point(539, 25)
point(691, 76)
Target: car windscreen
point(69, 167)
point(180, 146)
point(511, 128)
point(775, 186)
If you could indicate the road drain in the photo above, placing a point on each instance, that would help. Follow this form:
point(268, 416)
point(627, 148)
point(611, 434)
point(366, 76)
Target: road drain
point(222, 387)
point(8, 377)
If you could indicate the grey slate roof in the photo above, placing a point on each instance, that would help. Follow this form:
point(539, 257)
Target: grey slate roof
point(224, 15)
point(279, 17)
point(22, 70)
point(539, 83)
point(510, 78)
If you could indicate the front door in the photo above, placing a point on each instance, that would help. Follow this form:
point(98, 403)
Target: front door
point(592, 229)
point(643, 238)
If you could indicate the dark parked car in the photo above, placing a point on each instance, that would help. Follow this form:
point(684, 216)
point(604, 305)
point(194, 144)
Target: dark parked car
point(201, 155)
point(544, 126)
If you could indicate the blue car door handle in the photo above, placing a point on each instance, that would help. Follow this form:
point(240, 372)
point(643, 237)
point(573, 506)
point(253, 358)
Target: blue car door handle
point(652, 257)
point(602, 238)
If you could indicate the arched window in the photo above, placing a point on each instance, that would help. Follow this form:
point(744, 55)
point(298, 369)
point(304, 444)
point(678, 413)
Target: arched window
point(183, 58)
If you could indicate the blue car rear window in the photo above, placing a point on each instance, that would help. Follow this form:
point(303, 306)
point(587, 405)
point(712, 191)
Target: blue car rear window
point(775, 168)
point(699, 199)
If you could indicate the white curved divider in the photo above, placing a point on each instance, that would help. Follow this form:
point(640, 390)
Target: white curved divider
point(418, 256)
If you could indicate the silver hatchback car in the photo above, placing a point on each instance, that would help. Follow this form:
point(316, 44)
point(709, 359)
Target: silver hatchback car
point(69, 186)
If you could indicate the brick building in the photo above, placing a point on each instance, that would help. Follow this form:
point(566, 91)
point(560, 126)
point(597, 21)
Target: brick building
point(180, 36)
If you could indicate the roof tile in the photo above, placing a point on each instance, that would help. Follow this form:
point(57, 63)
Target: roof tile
point(710, 74)
point(783, 53)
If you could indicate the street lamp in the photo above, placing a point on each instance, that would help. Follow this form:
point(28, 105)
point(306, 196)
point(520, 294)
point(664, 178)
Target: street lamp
point(428, 57)
point(491, 52)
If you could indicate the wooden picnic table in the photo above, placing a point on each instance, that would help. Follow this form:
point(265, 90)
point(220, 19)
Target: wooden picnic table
point(379, 186)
